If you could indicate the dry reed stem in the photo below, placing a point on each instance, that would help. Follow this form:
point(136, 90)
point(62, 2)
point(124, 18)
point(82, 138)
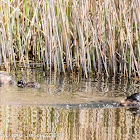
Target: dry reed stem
point(88, 35)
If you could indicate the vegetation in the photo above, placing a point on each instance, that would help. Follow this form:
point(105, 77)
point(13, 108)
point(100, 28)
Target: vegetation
point(85, 35)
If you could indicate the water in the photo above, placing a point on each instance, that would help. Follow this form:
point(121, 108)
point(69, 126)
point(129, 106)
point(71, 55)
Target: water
point(68, 108)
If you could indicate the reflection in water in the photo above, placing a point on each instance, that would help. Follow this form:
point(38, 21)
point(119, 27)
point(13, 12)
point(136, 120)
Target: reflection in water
point(26, 122)
point(135, 110)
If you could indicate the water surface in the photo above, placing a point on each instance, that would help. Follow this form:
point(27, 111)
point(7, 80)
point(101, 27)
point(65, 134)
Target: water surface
point(68, 107)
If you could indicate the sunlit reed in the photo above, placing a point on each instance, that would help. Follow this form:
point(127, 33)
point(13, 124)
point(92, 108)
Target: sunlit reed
point(85, 35)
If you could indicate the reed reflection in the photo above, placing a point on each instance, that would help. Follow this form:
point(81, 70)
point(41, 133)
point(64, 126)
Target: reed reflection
point(28, 122)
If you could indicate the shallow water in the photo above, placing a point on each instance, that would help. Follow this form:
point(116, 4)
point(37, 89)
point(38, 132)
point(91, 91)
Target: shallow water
point(68, 107)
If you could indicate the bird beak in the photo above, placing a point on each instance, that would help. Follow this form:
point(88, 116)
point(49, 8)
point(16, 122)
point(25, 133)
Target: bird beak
point(123, 103)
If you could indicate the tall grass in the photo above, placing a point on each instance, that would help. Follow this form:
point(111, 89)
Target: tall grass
point(87, 35)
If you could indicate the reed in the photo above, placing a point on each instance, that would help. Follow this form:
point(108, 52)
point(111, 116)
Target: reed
point(87, 35)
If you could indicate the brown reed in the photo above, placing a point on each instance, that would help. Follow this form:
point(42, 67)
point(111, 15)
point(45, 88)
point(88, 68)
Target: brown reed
point(87, 35)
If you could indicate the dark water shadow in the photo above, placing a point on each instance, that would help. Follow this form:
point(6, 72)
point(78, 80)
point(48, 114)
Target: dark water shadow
point(135, 110)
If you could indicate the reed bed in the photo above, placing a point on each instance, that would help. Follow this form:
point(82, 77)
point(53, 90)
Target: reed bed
point(86, 35)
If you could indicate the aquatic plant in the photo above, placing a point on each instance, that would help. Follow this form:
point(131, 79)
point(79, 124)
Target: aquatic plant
point(86, 35)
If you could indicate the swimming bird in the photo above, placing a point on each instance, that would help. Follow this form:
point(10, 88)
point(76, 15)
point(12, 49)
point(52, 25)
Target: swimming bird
point(132, 100)
point(22, 83)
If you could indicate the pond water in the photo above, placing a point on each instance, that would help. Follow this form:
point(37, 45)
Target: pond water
point(68, 108)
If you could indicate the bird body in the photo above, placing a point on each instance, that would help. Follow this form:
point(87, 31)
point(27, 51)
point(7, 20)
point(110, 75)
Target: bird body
point(132, 100)
point(22, 83)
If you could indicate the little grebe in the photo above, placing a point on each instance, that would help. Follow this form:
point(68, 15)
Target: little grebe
point(22, 83)
point(5, 78)
point(132, 100)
